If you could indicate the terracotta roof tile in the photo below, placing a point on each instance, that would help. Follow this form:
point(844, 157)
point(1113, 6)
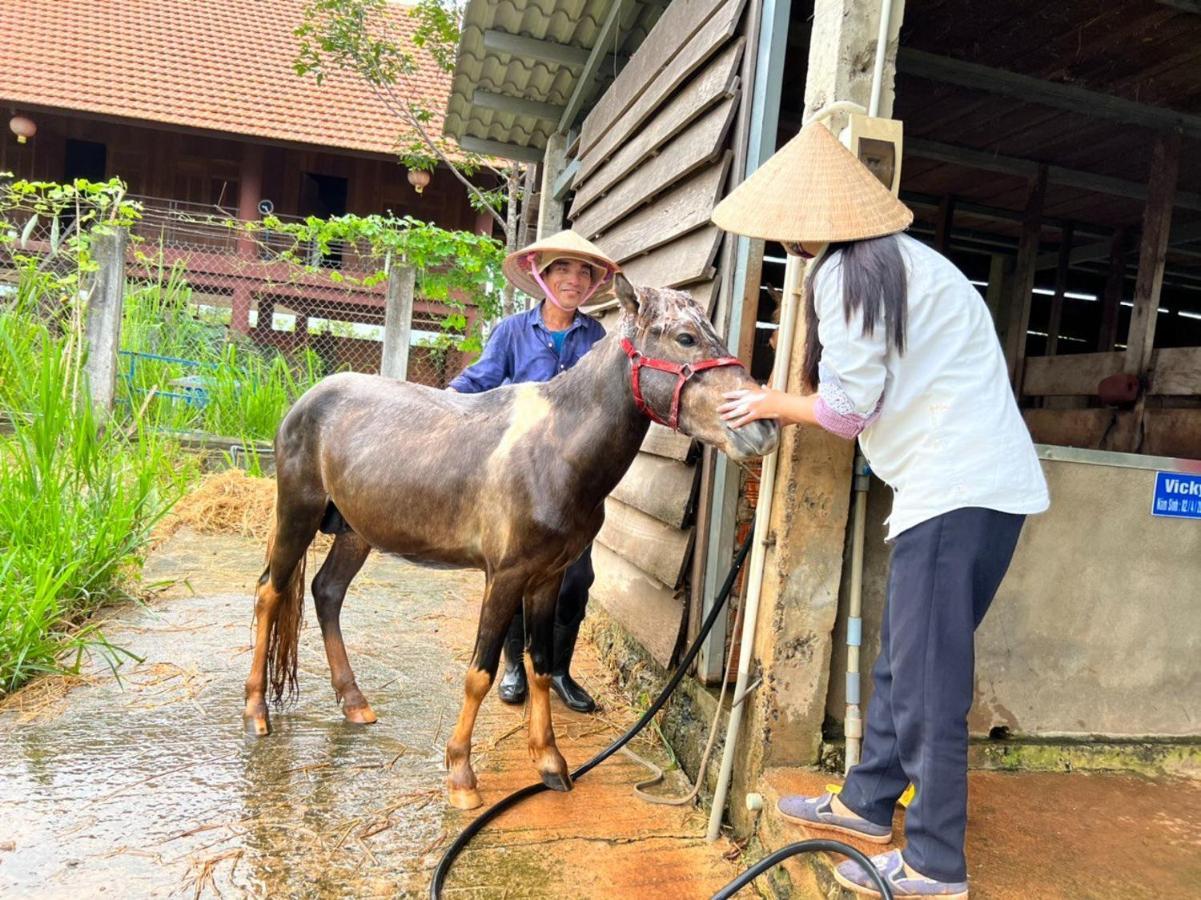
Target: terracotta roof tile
point(219, 65)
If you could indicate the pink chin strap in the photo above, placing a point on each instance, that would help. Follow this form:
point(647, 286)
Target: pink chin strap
point(532, 262)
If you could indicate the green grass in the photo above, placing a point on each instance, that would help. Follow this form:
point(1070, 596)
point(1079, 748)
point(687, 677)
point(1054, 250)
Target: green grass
point(77, 501)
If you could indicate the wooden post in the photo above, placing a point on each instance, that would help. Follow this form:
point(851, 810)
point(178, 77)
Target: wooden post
point(398, 322)
point(1022, 292)
point(942, 231)
point(105, 302)
point(1061, 286)
point(1000, 274)
point(1157, 220)
point(250, 192)
point(1115, 285)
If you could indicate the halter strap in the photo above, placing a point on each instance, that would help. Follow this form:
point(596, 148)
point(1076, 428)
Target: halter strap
point(682, 371)
point(531, 260)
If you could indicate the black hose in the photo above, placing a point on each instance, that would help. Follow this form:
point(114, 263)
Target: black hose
point(813, 846)
point(477, 825)
point(453, 851)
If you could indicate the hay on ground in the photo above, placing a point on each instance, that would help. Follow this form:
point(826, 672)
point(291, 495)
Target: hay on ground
point(229, 502)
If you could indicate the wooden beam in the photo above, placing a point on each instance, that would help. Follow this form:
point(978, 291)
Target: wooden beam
point(519, 106)
point(1115, 285)
point(1157, 220)
point(1022, 295)
point(942, 231)
point(1028, 168)
point(497, 41)
point(1000, 271)
point(1028, 89)
point(603, 41)
point(999, 214)
point(1189, 6)
point(500, 149)
point(1061, 286)
point(1181, 234)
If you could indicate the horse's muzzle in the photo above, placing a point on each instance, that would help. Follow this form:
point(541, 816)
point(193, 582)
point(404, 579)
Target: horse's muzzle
point(754, 439)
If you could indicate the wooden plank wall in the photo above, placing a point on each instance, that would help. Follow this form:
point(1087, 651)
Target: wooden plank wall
point(655, 156)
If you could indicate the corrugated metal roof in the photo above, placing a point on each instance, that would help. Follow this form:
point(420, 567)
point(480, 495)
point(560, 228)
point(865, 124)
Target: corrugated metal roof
point(571, 23)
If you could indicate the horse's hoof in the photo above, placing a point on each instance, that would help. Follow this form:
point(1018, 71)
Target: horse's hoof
point(360, 715)
point(257, 726)
point(557, 781)
point(464, 798)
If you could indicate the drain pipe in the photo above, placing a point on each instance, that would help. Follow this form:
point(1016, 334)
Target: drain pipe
point(793, 272)
point(873, 108)
point(853, 721)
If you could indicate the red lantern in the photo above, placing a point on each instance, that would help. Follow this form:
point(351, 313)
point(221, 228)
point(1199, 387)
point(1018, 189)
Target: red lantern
point(419, 178)
point(23, 127)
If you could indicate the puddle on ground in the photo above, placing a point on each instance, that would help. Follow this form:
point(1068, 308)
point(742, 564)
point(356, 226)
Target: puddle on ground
point(149, 788)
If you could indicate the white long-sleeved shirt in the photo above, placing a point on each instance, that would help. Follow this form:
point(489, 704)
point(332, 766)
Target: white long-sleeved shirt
point(938, 423)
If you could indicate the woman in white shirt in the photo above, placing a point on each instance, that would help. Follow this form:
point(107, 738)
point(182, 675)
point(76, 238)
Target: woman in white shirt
point(900, 352)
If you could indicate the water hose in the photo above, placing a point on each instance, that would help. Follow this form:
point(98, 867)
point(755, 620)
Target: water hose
point(506, 803)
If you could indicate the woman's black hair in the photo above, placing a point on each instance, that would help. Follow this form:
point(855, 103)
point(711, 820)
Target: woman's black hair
point(874, 281)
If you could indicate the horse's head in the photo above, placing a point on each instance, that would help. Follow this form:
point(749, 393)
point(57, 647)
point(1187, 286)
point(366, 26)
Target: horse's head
point(680, 369)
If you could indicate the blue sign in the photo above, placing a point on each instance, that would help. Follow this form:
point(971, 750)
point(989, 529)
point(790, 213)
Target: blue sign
point(1177, 496)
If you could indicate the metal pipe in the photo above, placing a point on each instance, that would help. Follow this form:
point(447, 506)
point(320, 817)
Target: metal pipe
point(793, 272)
point(853, 722)
point(873, 108)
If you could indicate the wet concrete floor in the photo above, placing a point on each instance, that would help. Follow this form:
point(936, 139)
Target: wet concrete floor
point(146, 787)
point(1046, 835)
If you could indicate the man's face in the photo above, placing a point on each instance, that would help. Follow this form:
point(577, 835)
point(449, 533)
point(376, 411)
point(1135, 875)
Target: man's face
point(570, 280)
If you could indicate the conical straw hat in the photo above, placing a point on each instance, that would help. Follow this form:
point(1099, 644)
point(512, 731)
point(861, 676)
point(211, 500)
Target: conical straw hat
point(812, 190)
point(564, 245)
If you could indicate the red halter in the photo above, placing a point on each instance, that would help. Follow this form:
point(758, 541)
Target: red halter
point(682, 371)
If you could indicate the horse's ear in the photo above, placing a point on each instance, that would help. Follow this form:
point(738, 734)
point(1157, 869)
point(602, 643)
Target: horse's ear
point(626, 294)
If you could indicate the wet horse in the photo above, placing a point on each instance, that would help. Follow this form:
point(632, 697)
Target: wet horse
point(511, 481)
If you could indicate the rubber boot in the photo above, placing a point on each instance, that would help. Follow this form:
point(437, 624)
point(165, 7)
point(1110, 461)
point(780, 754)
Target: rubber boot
point(512, 688)
point(560, 675)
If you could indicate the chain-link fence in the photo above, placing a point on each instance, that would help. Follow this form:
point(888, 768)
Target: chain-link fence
point(274, 292)
point(222, 326)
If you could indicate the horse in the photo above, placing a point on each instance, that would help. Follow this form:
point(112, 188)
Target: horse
point(511, 481)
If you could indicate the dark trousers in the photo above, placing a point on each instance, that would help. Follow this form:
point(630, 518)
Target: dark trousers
point(573, 597)
point(943, 575)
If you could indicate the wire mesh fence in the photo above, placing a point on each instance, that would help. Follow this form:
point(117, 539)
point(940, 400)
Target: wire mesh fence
point(223, 327)
point(213, 308)
point(268, 290)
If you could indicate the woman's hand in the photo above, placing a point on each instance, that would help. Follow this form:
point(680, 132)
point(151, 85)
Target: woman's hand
point(744, 406)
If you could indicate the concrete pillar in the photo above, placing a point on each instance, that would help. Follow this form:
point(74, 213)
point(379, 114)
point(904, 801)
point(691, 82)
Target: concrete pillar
point(107, 297)
point(398, 322)
point(250, 192)
point(811, 502)
point(550, 210)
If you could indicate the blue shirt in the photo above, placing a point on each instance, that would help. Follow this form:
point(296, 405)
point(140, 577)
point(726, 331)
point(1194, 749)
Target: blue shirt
point(521, 348)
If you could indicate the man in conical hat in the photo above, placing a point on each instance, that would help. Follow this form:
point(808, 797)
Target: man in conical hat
point(901, 354)
point(565, 271)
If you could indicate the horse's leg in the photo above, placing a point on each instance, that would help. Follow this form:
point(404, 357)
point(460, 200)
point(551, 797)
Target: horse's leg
point(502, 596)
point(279, 602)
point(345, 559)
point(540, 625)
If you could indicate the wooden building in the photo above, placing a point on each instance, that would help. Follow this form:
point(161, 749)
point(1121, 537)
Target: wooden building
point(201, 121)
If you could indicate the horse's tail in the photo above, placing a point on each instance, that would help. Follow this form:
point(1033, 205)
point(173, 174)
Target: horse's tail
point(283, 641)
